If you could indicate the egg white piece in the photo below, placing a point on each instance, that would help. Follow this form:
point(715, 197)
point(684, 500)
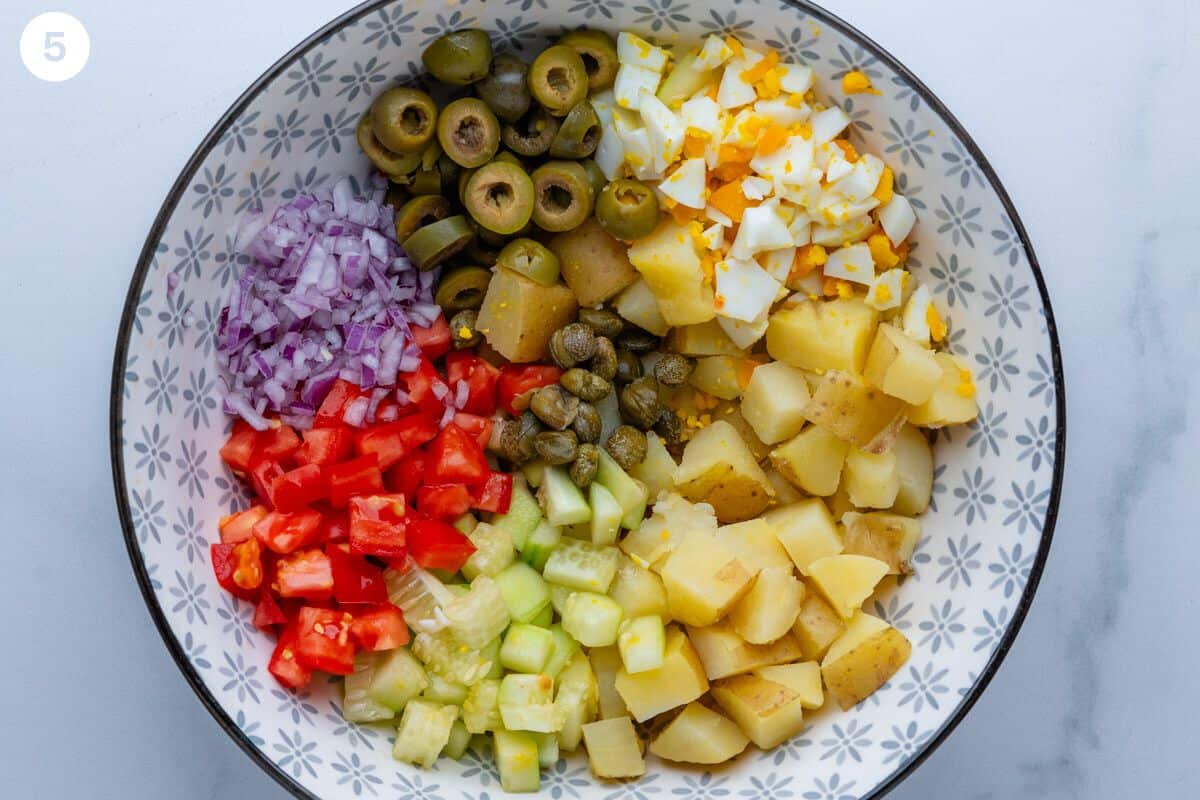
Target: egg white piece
point(734, 91)
point(636, 141)
point(778, 263)
point(686, 185)
point(743, 334)
point(827, 124)
point(833, 209)
point(887, 290)
point(718, 216)
point(755, 188)
point(808, 286)
point(797, 78)
point(762, 228)
point(855, 230)
point(610, 153)
point(789, 164)
point(665, 130)
point(780, 112)
point(637, 52)
point(747, 289)
point(837, 167)
point(700, 115)
point(801, 229)
point(860, 181)
point(713, 237)
point(631, 82)
point(743, 128)
point(853, 263)
point(914, 320)
point(713, 53)
point(897, 219)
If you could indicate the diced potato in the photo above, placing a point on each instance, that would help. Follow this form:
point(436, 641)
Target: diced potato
point(901, 367)
point(755, 543)
point(890, 538)
point(721, 376)
point(774, 401)
point(846, 580)
point(848, 407)
point(703, 578)
point(518, 315)
point(699, 736)
point(705, 339)
point(823, 334)
point(803, 678)
point(638, 305)
point(871, 480)
point(806, 531)
point(839, 503)
point(605, 663)
point(657, 470)
point(952, 402)
point(812, 460)
point(914, 463)
point(731, 411)
point(594, 264)
point(679, 680)
point(863, 659)
point(724, 653)
point(638, 591)
point(768, 712)
point(669, 260)
point(674, 517)
point(817, 626)
point(614, 750)
point(719, 469)
point(785, 492)
point(767, 611)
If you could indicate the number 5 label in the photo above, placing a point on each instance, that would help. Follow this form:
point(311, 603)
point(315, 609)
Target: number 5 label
point(55, 46)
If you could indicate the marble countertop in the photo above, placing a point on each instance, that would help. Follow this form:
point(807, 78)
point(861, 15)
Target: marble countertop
point(1095, 699)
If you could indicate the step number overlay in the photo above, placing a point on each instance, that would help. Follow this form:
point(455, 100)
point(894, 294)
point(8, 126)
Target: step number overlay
point(55, 46)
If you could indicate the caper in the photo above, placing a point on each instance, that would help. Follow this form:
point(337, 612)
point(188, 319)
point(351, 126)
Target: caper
point(558, 79)
point(463, 333)
point(469, 132)
point(531, 259)
point(669, 427)
point(629, 367)
point(673, 369)
point(587, 425)
point(598, 52)
point(627, 446)
point(554, 406)
point(562, 196)
point(388, 162)
point(604, 360)
point(459, 57)
point(499, 196)
point(530, 136)
point(639, 402)
point(579, 133)
point(462, 288)
point(585, 385)
point(419, 212)
point(601, 320)
point(583, 468)
point(403, 119)
point(529, 426)
point(572, 344)
point(556, 447)
point(636, 340)
point(504, 88)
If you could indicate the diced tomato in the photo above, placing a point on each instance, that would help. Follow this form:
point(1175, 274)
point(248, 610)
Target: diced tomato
point(335, 526)
point(419, 384)
point(350, 478)
point(407, 476)
point(496, 494)
point(436, 545)
point(323, 640)
point(276, 444)
point(481, 379)
point(355, 580)
point(239, 527)
point(434, 341)
point(478, 427)
point(447, 501)
point(267, 612)
point(391, 441)
point(263, 475)
point(297, 488)
point(517, 382)
point(341, 394)
point(284, 666)
point(286, 533)
point(325, 446)
point(306, 574)
point(238, 450)
point(455, 457)
point(378, 526)
point(238, 567)
point(380, 628)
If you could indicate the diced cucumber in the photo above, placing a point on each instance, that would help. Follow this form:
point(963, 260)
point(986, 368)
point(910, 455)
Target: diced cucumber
point(493, 552)
point(642, 642)
point(466, 523)
point(686, 78)
point(631, 493)
point(357, 705)
point(481, 709)
point(581, 531)
point(480, 615)
point(420, 595)
point(564, 503)
point(592, 619)
point(517, 761)
point(460, 740)
point(564, 648)
point(527, 704)
point(523, 516)
point(445, 654)
point(424, 731)
point(443, 691)
point(526, 648)
point(398, 677)
point(558, 597)
point(524, 592)
point(582, 565)
point(544, 618)
point(606, 514)
point(540, 544)
point(458, 589)
point(577, 700)
point(547, 745)
point(533, 471)
point(490, 652)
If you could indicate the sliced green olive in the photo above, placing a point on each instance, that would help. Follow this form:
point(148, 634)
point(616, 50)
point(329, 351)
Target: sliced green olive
point(397, 195)
point(469, 132)
point(419, 212)
point(433, 244)
point(562, 196)
point(449, 172)
point(459, 57)
point(385, 160)
point(558, 79)
point(627, 209)
point(426, 181)
point(479, 252)
point(598, 52)
point(530, 136)
point(404, 119)
point(504, 89)
point(463, 288)
point(595, 177)
point(579, 133)
point(499, 196)
point(531, 259)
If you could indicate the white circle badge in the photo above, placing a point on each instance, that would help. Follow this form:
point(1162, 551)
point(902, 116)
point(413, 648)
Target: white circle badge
point(55, 46)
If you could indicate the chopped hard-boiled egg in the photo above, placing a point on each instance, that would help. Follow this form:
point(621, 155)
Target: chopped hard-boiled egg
point(797, 78)
point(837, 167)
point(782, 112)
point(743, 334)
point(789, 165)
point(915, 317)
point(637, 52)
point(631, 81)
point(897, 219)
point(713, 237)
point(686, 185)
point(860, 181)
point(762, 228)
point(887, 290)
point(715, 52)
point(610, 155)
point(636, 142)
point(744, 289)
point(855, 230)
point(602, 103)
point(755, 188)
point(701, 116)
point(778, 263)
point(852, 263)
point(827, 124)
point(665, 130)
point(801, 229)
point(735, 90)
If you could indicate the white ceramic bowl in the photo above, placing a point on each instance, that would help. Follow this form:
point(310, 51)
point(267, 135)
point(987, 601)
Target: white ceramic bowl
point(997, 482)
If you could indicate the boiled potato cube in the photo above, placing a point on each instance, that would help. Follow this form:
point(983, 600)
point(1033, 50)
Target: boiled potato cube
point(605, 663)
point(901, 367)
point(817, 626)
point(699, 736)
point(674, 517)
point(914, 463)
point(721, 376)
point(731, 411)
point(804, 679)
point(890, 538)
point(839, 503)
point(657, 470)
point(719, 469)
point(594, 264)
point(774, 401)
point(767, 611)
point(638, 591)
point(785, 492)
point(768, 712)
point(812, 460)
point(863, 659)
point(724, 653)
point(952, 402)
point(704, 578)
point(613, 747)
point(806, 531)
point(638, 305)
point(705, 339)
point(679, 680)
point(846, 580)
point(755, 543)
point(823, 335)
point(871, 480)
point(518, 315)
point(669, 260)
point(850, 408)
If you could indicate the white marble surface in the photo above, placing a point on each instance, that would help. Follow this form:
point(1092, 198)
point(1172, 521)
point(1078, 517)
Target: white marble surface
point(1096, 699)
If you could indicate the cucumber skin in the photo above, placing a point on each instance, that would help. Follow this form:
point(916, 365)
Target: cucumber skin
point(564, 503)
point(523, 515)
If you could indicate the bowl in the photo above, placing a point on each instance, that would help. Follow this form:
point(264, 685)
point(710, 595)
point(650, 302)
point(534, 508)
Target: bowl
point(996, 486)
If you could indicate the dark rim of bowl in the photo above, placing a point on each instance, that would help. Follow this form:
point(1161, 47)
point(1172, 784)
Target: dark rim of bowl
point(239, 106)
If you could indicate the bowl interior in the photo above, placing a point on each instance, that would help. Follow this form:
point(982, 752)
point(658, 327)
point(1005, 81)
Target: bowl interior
point(996, 485)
